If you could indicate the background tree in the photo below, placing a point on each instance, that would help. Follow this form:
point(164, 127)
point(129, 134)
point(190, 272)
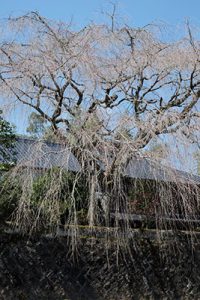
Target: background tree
point(197, 161)
point(7, 139)
point(37, 125)
point(38, 128)
point(158, 150)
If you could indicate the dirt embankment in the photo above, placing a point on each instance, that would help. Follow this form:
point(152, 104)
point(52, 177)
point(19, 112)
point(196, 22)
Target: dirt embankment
point(43, 268)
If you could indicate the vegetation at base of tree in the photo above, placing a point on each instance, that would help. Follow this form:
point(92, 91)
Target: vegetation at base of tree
point(11, 193)
point(57, 185)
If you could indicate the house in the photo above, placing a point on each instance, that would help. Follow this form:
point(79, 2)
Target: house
point(147, 183)
point(40, 155)
point(153, 170)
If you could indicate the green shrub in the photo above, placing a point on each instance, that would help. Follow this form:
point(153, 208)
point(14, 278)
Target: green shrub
point(55, 187)
point(7, 142)
point(10, 193)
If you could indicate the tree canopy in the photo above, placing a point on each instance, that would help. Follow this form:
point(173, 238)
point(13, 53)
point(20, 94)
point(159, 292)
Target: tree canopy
point(127, 76)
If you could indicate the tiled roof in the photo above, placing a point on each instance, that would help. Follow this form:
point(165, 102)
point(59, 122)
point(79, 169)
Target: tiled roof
point(43, 155)
point(145, 168)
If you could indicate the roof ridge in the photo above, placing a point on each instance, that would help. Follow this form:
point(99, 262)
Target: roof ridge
point(36, 139)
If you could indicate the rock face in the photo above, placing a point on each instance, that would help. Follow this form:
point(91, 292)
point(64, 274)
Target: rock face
point(44, 268)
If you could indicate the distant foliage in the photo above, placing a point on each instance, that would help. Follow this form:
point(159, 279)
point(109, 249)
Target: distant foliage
point(38, 128)
point(7, 140)
point(37, 125)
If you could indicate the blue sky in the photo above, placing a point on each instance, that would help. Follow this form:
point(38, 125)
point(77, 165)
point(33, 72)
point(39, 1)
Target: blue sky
point(139, 12)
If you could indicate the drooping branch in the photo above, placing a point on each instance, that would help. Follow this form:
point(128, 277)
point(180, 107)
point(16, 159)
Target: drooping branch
point(68, 76)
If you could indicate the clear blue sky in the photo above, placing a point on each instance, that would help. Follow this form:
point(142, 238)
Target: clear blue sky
point(136, 12)
point(140, 12)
